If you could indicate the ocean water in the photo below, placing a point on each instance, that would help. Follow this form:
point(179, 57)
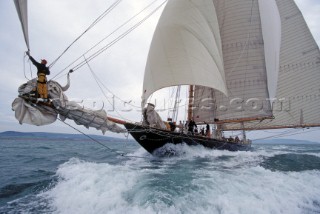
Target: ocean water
point(49, 175)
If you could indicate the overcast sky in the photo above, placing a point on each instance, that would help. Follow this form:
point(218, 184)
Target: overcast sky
point(53, 25)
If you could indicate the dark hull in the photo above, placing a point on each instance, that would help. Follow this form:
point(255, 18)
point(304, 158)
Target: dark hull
point(152, 139)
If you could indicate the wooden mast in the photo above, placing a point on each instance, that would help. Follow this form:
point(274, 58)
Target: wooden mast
point(191, 99)
point(244, 136)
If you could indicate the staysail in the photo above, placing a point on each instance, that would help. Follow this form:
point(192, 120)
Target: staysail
point(186, 48)
point(22, 10)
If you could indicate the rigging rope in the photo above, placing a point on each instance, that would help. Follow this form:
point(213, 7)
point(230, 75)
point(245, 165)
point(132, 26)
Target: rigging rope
point(97, 81)
point(100, 83)
point(97, 53)
point(88, 136)
point(24, 67)
point(91, 26)
point(103, 145)
point(108, 37)
point(287, 133)
point(101, 50)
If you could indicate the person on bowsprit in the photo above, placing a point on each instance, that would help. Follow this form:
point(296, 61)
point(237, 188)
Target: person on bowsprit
point(42, 73)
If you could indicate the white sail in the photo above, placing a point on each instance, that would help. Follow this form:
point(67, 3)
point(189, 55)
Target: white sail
point(298, 91)
point(299, 80)
point(22, 10)
point(271, 31)
point(250, 52)
point(186, 48)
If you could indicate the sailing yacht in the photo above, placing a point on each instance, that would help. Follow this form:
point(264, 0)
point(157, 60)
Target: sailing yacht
point(251, 65)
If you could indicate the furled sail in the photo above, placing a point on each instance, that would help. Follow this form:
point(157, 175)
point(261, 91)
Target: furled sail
point(31, 113)
point(22, 10)
point(251, 47)
point(186, 48)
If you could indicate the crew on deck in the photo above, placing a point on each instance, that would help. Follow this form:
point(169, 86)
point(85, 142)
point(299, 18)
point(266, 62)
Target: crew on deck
point(208, 134)
point(181, 127)
point(237, 140)
point(191, 126)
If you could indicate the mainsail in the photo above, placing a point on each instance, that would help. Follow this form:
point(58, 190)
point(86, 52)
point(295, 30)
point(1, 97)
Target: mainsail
point(298, 91)
point(250, 49)
point(22, 10)
point(298, 99)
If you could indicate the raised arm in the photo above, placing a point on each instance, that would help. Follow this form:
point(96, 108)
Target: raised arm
point(33, 60)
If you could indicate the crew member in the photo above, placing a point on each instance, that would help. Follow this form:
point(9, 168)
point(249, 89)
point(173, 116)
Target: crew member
point(191, 126)
point(43, 70)
point(208, 134)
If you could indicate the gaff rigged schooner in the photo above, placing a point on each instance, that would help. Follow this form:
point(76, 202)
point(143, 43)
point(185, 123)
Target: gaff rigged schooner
point(250, 65)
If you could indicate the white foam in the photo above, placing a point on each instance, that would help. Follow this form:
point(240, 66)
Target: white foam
point(257, 190)
point(174, 185)
point(90, 187)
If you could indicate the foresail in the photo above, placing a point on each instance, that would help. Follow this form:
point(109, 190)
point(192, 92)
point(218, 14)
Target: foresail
point(22, 10)
point(246, 52)
point(186, 48)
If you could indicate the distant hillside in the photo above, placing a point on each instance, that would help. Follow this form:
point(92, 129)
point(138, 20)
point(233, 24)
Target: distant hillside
point(61, 136)
point(55, 136)
point(283, 141)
